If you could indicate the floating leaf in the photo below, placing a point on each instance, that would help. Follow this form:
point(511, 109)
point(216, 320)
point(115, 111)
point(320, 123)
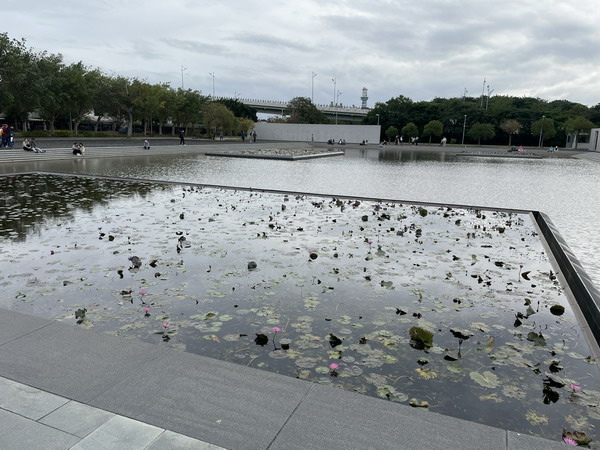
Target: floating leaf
point(486, 379)
point(536, 338)
point(557, 310)
point(420, 335)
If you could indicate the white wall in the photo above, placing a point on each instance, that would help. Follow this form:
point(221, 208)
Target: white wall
point(319, 133)
point(595, 140)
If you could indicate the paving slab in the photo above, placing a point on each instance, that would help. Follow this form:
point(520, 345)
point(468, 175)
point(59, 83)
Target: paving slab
point(215, 401)
point(19, 433)
point(120, 433)
point(74, 363)
point(27, 401)
point(169, 441)
point(332, 418)
point(13, 325)
point(77, 418)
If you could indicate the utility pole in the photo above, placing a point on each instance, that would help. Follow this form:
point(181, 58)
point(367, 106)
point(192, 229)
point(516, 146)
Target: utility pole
point(312, 88)
point(541, 132)
point(465, 94)
point(464, 127)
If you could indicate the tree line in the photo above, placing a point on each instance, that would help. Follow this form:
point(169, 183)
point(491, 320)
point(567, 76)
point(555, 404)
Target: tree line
point(67, 93)
point(501, 120)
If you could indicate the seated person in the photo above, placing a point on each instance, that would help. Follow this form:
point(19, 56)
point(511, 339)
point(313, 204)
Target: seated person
point(76, 149)
point(520, 149)
point(82, 148)
point(147, 144)
point(34, 146)
point(27, 145)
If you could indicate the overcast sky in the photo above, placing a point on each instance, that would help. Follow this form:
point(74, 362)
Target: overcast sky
point(421, 49)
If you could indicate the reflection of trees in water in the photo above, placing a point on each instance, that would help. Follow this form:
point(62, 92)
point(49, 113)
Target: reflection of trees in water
point(30, 201)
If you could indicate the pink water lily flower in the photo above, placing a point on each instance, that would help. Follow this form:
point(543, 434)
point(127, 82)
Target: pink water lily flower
point(166, 325)
point(143, 291)
point(333, 366)
point(570, 441)
point(575, 387)
point(276, 329)
point(146, 308)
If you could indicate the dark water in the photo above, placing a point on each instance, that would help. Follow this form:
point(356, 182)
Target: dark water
point(447, 306)
point(565, 189)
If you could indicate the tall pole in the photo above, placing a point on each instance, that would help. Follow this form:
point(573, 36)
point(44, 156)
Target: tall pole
point(312, 88)
point(482, 92)
point(541, 132)
point(464, 127)
point(212, 74)
point(336, 103)
point(334, 90)
point(182, 69)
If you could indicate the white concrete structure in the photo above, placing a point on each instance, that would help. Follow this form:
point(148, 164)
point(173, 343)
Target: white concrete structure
point(594, 144)
point(353, 134)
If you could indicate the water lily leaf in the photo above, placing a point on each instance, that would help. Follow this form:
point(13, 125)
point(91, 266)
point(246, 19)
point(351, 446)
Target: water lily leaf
point(461, 334)
point(426, 374)
point(418, 403)
point(261, 339)
point(334, 341)
point(536, 338)
point(486, 379)
point(420, 335)
point(454, 367)
point(489, 347)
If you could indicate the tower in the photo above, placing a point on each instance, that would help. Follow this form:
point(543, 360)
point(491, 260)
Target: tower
point(364, 98)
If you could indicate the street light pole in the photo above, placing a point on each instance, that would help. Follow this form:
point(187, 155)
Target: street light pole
point(336, 103)
point(377, 118)
point(541, 132)
point(212, 74)
point(464, 127)
point(182, 69)
point(312, 88)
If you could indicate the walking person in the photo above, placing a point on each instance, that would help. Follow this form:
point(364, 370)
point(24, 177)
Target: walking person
point(181, 136)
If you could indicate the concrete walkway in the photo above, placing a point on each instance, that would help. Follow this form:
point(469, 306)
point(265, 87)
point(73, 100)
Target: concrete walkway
point(63, 387)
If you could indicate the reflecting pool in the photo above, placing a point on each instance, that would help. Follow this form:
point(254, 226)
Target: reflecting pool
point(456, 310)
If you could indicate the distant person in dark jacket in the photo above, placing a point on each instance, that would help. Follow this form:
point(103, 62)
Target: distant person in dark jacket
point(181, 137)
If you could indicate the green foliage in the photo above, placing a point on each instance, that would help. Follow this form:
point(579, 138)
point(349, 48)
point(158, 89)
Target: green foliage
point(479, 131)
point(510, 127)
point(218, 117)
point(545, 127)
point(391, 133)
point(410, 130)
point(239, 109)
point(577, 126)
point(433, 128)
point(302, 110)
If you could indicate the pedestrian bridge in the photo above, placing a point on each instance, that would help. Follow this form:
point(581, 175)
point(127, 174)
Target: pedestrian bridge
point(343, 113)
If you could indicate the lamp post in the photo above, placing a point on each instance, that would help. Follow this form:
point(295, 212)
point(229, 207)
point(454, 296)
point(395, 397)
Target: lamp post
point(464, 128)
point(541, 132)
point(312, 88)
point(334, 90)
point(377, 118)
point(182, 69)
point(212, 74)
point(336, 104)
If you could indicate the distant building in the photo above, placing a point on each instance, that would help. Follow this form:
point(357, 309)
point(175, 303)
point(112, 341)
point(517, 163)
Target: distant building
point(364, 97)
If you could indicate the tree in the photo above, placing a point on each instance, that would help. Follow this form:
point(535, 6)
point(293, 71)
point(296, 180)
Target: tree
point(510, 127)
point(52, 102)
point(239, 109)
point(410, 130)
point(544, 128)
point(481, 131)
point(81, 85)
point(302, 110)
point(391, 133)
point(577, 126)
point(217, 116)
point(433, 128)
